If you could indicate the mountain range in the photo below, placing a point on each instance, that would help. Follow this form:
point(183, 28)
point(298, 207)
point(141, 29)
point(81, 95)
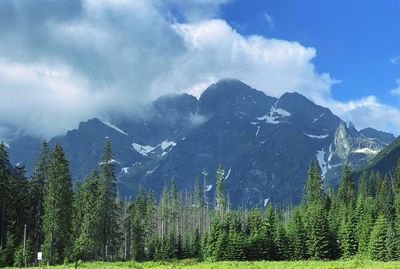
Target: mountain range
point(265, 144)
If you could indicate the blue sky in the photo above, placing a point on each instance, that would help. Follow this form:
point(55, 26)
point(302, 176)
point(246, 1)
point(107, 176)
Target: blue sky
point(355, 40)
point(63, 61)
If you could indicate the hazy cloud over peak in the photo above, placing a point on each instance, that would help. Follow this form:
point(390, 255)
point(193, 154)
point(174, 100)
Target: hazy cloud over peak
point(66, 61)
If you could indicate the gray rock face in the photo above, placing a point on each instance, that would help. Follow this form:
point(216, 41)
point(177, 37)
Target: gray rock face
point(265, 144)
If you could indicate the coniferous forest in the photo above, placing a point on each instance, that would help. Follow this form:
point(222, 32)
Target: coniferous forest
point(88, 221)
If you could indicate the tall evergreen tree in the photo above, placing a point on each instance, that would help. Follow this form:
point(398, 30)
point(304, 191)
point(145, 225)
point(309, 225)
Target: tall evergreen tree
point(87, 220)
point(138, 211)
point(318, 234)
point(5, 175)
point(378, 241)
point(110, 231)
point(297, 236)
point(37, 187)
point(57, 208)
point(314, 185)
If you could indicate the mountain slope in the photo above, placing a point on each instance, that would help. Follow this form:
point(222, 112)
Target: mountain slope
point(264, 143)
point(385, 161)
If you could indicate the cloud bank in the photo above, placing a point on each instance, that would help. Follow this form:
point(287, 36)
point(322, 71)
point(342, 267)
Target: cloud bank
point(67, 61)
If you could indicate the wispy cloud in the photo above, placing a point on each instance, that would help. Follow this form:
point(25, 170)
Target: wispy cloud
point(396, 91)
point(395, 60)
point(269, 20)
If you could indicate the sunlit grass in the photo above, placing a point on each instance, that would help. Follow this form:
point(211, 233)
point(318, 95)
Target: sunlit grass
point(245, 265)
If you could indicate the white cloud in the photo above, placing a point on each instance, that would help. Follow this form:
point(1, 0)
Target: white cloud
point(368, 112)
point(269, 20)
point(396, 91)
point(113, 56)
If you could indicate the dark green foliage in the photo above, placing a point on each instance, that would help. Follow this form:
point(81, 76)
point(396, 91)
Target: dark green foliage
point(57, 209)
point(378, 242)
point(90, 222)
point(138, 232)
point(297, 236)
point(110, 230)
point(281, 243)
point(87, 219)
point(318, 232)
point(36, 195)
point(314, 185)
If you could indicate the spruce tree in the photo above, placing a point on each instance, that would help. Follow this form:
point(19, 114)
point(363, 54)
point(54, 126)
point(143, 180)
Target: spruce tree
point(110, 232)
point(268, 233)
point(318, 234)
point(57, 209)
point(36, 193)
point(314, 186)
point(138, 217)
point(297, 236)
point(87, 220)
point(396, 179)
point(378, 241)
point(281, 243)
point(5, 175)
point(364, 215)
point(385, 200)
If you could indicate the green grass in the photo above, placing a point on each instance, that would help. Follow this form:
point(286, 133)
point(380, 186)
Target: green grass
point(242, 265)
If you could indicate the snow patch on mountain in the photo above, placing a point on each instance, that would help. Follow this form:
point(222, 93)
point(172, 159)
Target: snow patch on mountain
point(125, 170)
point(112, 161)
point(274, 115)
point(144, 150)
point(258, 130)
point(367, 151)
point(209, 187)
point(109, 124)
point(316, 136)
point(167, 144)
point(317, 119)
point(321, 162)
point(229, 173)
point(266, 201)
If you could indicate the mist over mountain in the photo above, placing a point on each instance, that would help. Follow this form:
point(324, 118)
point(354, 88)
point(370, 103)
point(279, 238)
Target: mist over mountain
point(264, 144)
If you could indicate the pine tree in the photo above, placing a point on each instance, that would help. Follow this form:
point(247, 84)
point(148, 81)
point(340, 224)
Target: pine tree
point(268, 233)
point(385, 200)
point(347, 235)
point(138, 210)
point(365, 223)
point(235, 249)
point(109, 205)
point(36, 193)
point(196, 244)
point(150, 226)
point(297, 236)
point(5, 175)
point(57, 209)
point(396, 179)
point(87, 220)
point(281, 243)
point(345, 214)
point(164, 212)
point(314, 186)
point(378, 242)
point(318, 234)
point(346, 192)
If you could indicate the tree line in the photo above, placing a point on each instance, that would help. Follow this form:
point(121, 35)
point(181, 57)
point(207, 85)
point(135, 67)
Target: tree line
point(88, 221)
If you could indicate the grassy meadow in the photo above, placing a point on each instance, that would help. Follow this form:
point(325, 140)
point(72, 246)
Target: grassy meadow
point(242, 265)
